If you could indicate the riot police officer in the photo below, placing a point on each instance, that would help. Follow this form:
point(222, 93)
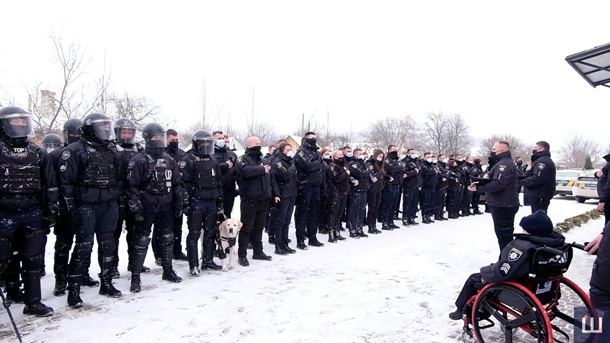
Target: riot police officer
point(50, 142)
point(202, 199)
point(125, 136)
point(28, 194)
point(155, 198)
point(91, 182)
point(64, 234)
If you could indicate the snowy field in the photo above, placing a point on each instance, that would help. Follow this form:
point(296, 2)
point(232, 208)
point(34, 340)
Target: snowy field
point(398, 286)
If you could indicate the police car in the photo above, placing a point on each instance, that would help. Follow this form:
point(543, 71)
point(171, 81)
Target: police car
point(585, 186)
point(565, 179)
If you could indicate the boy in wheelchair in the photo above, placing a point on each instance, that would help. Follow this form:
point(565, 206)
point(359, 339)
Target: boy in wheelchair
point(515, 258)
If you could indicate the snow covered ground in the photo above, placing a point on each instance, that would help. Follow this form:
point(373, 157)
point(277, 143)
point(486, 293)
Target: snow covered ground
point(398, 286)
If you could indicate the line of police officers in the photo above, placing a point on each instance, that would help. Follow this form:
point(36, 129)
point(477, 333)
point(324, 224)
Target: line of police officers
point(98, 180)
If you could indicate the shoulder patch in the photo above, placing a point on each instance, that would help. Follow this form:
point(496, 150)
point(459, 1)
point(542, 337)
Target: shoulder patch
point(131, 164)
point(279, 164)
point(182, 164)
point(514, 254)
point(541, 166)
point(65, 155)
point(332, 168)
point(501, 168)
point(300, 154)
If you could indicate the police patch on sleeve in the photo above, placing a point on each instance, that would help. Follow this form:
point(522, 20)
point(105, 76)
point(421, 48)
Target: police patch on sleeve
point(131, 164)
point(514, 254)
point(502, 168)
point(65, 155)
point(300, 154)
point(541, 166)
point(182, 164)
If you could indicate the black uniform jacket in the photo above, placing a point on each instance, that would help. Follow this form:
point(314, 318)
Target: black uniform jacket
point(515, 258)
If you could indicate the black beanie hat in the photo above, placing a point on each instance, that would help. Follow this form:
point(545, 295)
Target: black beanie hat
point(537, 223)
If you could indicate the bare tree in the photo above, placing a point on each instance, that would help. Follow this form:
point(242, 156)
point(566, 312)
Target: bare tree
point(401, 131)
point(74, 97)
point(139, 109)
point(444, 133)
point(517, 147)
point(576, 149)
point(263, 130)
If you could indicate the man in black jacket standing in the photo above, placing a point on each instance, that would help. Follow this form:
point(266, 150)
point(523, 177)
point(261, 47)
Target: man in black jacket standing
point(361, 180)
point(502, 191)
point(539, 179)
point(308, 162)
point(177, 154)
point(256, 191)
point(411, 182)
point(392, 179)
point(226, 161)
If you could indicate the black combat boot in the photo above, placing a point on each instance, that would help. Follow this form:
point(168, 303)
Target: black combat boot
point(167, 248)
point(301, 245)
point(242, 248)
point(14, 294)
point(136, 283)
point(426, 219)
point(288, 248)
point(314, 242)
point(106, 287)
point(332, 236)
point(81, 259)
point(207, 256)
point(386, 227)
point(280, 250)
point(61, 282)
point(354, 234)
point(74, 300)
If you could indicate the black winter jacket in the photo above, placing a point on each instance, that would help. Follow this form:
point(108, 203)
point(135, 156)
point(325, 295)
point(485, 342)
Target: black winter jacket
point(515, 258)
point(539, 178)
point(503, 189)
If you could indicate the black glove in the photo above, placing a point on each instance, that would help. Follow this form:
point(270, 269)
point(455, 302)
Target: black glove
point(75, 219)
point(138, 217)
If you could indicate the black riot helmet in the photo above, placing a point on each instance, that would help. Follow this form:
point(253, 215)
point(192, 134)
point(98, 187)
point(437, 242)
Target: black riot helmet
point(203, 142)
point(154, 136)
point(97, 127)
point(16, 125)
point(125, 131)
point(71, 131)
point(51, 141)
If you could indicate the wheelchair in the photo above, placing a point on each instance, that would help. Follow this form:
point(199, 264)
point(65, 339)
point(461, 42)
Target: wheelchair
point(538, 309)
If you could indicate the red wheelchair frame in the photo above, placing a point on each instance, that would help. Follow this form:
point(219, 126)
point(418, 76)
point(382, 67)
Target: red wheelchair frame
point(526, 306)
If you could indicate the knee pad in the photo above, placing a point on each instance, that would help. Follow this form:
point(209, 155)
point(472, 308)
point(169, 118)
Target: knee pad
point(32, 243)
point(141, 242)
point(167, 239)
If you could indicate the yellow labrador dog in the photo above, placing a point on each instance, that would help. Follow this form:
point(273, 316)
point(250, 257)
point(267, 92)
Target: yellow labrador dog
point(228, 230)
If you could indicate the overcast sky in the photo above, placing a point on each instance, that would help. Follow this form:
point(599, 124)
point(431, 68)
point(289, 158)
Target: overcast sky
point(501, 65)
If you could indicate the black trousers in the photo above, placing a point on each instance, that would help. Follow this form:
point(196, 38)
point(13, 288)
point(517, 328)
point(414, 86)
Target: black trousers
point(373, 200)
point(537, 203)
point(410, 199)
point(253, 218)
point(468, 290)
point(504, 223)
point(307, 212)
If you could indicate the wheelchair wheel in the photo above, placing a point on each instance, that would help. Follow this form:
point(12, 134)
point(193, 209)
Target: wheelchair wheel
point(573, 302)
point(513, 314)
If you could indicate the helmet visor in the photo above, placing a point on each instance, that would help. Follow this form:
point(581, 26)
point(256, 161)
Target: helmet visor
point(126, 135)
point(103, 129)
point(205, 146)
point(17, 125)
point(156, 140)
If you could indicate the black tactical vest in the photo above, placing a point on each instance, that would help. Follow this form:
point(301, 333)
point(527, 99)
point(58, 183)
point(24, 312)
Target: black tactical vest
point(100, 171)
point(19, 171)
point(158, 176)
point(204, 173)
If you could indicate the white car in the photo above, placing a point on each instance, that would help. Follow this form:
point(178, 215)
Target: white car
point(565, 180)
point(585, 186)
